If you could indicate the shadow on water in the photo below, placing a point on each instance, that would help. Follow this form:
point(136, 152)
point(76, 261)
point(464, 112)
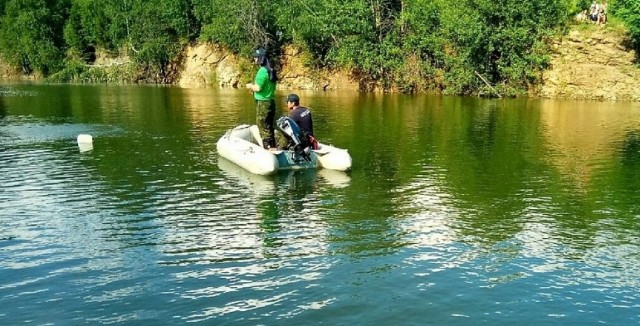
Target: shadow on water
point(626, 178)
point(630, 151)
point(3, 108)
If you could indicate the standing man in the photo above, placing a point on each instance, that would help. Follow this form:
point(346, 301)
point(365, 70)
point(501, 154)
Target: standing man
point(264, 88)
point(593, 12)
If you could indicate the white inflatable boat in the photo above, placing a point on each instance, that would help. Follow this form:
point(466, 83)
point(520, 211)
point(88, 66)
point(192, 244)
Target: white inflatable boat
point(241, 145)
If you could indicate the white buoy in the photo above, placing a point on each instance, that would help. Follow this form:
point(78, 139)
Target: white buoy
point(85, 142)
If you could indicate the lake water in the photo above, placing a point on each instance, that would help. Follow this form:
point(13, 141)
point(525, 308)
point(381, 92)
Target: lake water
point(457, 211)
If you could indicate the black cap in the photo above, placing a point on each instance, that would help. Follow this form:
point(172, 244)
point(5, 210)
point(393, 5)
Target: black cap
point(259, 53)
point(293, 98)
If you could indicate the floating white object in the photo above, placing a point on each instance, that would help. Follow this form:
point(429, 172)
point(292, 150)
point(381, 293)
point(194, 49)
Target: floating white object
point(85, 142)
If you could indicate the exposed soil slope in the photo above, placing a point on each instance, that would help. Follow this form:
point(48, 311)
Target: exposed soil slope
point(592, 62)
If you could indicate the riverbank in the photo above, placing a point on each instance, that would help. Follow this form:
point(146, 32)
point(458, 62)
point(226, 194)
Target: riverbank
point(208, 65)
point(590, 62)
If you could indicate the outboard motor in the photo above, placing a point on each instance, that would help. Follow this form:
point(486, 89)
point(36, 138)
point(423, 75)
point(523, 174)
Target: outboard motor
point(297, 138)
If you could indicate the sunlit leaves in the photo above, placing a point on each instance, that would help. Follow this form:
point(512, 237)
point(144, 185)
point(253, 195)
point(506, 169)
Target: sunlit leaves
point(629, 11)
point(240, 25)
point(30, 34)
point(448, 42)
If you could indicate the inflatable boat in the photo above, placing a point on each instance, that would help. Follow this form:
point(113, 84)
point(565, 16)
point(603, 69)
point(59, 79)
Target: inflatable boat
point(242, 145)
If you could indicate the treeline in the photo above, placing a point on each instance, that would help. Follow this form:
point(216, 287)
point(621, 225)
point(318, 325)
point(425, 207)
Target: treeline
point(629, 12)
point(410, 45)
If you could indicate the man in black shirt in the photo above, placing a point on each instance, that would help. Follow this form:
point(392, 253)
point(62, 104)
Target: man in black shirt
point(299, 114)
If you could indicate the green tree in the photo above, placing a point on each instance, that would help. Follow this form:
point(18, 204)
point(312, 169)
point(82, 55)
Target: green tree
point(404, 44)
point(96, 23)
point(504, 40)
point(348, 34)
point(152, 31)
point(629, 12)
point(31, 33)
point(156, 30)
point(240, 25)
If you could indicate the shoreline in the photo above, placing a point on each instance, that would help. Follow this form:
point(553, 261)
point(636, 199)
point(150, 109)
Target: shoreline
point(588, 63)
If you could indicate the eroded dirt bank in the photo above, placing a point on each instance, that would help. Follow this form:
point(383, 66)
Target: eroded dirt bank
point(592, 63)
point(209, 65)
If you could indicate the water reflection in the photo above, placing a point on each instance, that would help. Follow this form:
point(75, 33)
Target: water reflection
point(286, 202)
point(262, 190)
point(262, 224)
point(480, 177)
point(256, 184)
point(582, 135)
point(618, 186)
point(630, 149)
point(336, 179)
point(450, 198)
point(3, 107)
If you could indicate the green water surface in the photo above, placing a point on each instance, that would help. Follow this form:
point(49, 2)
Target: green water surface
point(457, 211)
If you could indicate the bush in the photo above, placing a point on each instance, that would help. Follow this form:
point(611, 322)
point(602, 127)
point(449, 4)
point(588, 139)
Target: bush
point(408, 45)
point(629, 12)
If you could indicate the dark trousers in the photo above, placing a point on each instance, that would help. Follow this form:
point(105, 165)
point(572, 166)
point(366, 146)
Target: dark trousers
point(265, 120)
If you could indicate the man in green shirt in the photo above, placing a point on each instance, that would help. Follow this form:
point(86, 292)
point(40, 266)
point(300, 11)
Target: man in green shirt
point(264, 88)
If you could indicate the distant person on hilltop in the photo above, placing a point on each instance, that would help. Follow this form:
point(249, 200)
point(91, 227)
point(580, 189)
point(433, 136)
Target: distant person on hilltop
point(593, 11)
point(602, 14)
point(582, 17)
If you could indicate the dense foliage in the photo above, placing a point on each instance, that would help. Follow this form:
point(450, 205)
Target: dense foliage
point(629, 11)
point(31, 33)
point(411, 45)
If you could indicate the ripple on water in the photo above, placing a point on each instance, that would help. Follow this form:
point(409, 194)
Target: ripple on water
point(152, 228)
